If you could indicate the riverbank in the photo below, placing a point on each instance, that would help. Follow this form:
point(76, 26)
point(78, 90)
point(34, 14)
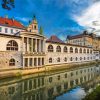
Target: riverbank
point(21, 72)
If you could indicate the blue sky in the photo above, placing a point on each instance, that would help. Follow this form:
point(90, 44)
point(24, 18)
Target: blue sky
point(59, 17)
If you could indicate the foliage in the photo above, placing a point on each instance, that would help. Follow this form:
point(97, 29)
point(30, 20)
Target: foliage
point(41, 30)
point(8, 4)
point(95, 95)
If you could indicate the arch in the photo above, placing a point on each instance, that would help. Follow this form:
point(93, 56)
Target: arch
point(65, 59)
point(80, 50)
point(71, 59)
point(50, 48)
point(65, 49)
point(84, 50)
point(12, 62)
point(50, 60)
point(58, 49)
point(76, 50)
point(12, 45)
point(71, 50)
point(87, 50)
point(58, 59)
point(76, 58)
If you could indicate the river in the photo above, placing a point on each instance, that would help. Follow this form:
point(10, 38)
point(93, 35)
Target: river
point(69, 84)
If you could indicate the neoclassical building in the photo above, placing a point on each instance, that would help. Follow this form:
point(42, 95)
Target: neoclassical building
point(25, 47)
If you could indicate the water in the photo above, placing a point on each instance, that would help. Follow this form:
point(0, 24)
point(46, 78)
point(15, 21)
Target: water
point(72, 84)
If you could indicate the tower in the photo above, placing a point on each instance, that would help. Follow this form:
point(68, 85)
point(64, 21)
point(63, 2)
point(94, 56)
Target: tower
point(33, 26)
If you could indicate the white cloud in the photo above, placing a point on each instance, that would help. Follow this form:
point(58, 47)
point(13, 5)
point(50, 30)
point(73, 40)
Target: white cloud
point(90, 17)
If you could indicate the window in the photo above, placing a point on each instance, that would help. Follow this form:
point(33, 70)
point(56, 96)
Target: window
point(0, 29)
point(58, 49)
point(58, 59)
point(90, 51)
point(50, 48)
point(71, 59)
point(34, 26)
point(84, 50)
point(12, 46)
point(12, 62)
point(76, 50)
point(50, 60)
point(65, 49)
point(80, 50)
point(42, 61)
point(87, 50)
point(76, 58)
point(65, 59)
point(50, 79)
point(71, 50)
point(80, 58)
point(11, 30)
point(6, 30)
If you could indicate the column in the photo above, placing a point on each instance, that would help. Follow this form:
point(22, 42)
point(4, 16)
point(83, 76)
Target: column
point(23, 62)
point(27, 62)
point(27, 45)
point(32, 45)
point(39, 45)
point(35, 45)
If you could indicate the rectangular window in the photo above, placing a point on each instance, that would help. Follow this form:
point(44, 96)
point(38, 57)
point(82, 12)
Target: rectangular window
point(11, 30)
point(6, 30)
point(0, 29)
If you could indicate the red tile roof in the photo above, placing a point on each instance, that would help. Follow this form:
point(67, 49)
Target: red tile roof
point(10, 23)
point(54, 39)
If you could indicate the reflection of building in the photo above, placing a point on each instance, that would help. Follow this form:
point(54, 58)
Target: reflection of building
point(25, 47)
point(45, 86)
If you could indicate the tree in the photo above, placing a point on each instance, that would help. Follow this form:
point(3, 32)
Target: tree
point(41, 30)
point(8, 4)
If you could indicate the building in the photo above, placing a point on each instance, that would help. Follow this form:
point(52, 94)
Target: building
point(27, 48)
point(10, 45)
point(33, 46)
point(85, 39)
point(58, 52)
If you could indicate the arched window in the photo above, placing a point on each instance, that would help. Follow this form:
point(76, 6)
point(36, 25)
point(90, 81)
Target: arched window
point(80, 58)
point(50, 60)
point(71, 50)
point(84, 58)
point(76, 50)
point(58, 49)
point(65, 49)
point(65, 59)
point(58, 59)
point(84, 50)
point(76, 58)
point(71, 59)
point(80, 50)
point(12, 46)
point(50, 48)
point(12, 62)
point(90, 51)
point(87, 50)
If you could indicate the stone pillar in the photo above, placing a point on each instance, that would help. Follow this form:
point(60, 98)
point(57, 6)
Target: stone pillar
point(39, 45)
point(36, 45)
point(23, 62)
point(27, 44)
point(27, 62)
point(32, 45)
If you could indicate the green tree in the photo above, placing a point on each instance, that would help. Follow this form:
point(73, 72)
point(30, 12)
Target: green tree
point(41, 30)
point(8, 4)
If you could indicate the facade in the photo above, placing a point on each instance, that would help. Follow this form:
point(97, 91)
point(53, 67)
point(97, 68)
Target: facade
point(58, 52)
point(85, 39)
point(26, 48)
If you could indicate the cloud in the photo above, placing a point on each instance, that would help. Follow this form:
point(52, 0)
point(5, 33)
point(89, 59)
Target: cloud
point(90, 17)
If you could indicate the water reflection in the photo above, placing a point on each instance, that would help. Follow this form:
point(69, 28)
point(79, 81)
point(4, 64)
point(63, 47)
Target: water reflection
point(50, 85)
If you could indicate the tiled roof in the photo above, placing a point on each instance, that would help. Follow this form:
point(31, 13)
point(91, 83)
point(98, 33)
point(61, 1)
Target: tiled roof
point(10, 23)
point(54, 39)
point(78, 36)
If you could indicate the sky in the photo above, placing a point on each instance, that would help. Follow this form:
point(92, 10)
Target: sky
point(58, 17)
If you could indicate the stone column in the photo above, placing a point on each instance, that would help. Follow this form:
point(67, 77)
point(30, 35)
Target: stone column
point(39, 45)
point(36, 45)
point(27, 62)
point(27, 45)
point(31, 45)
